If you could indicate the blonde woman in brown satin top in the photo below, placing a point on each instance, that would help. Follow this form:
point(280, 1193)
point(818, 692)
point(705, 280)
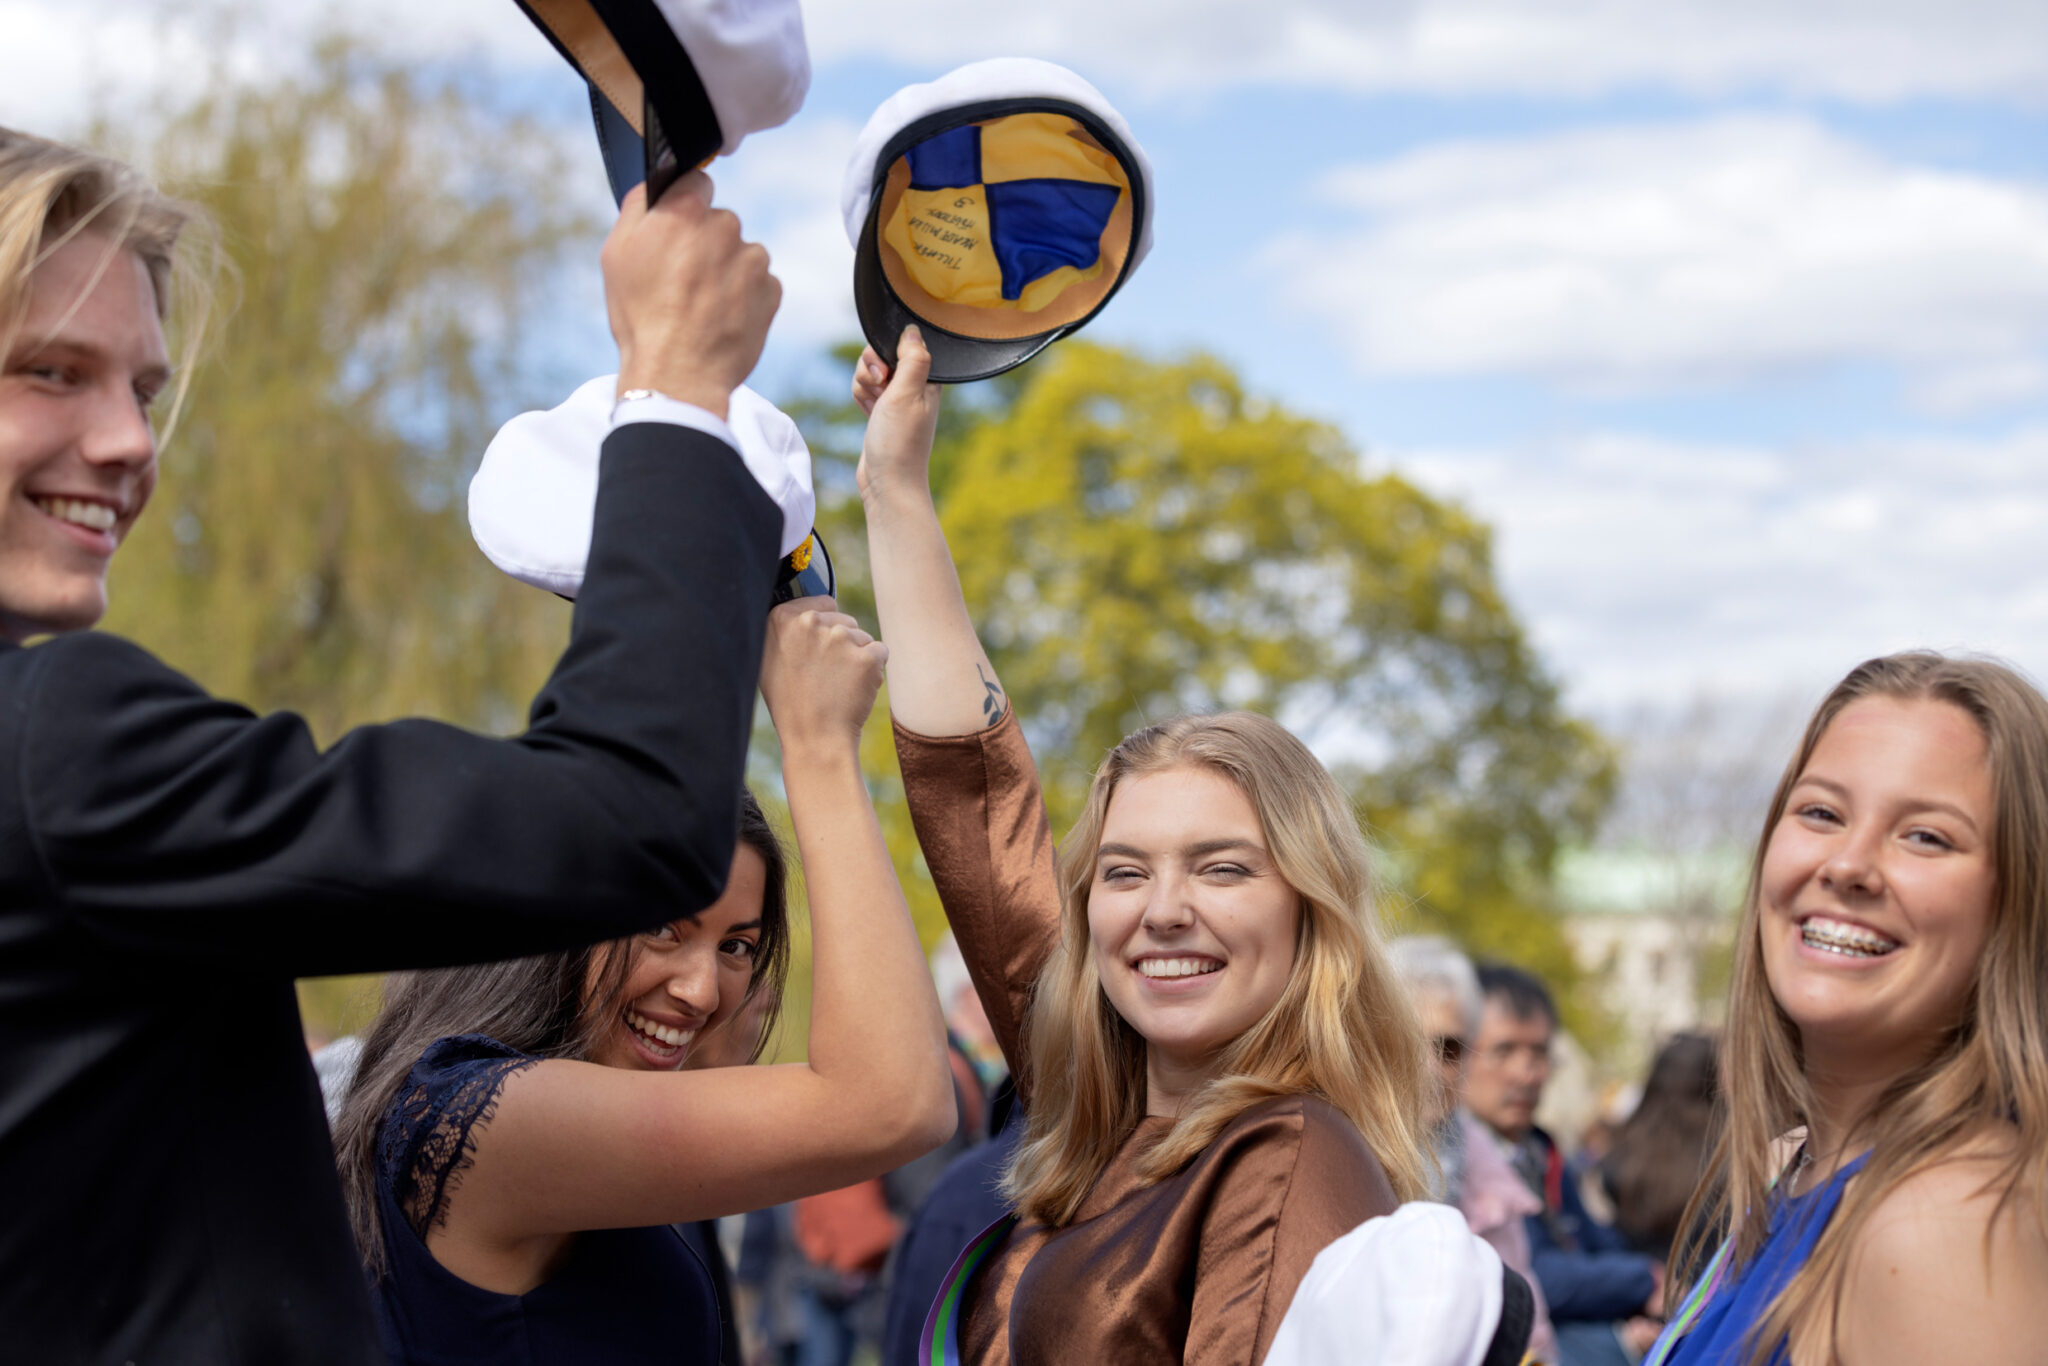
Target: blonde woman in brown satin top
point(1221, 1072)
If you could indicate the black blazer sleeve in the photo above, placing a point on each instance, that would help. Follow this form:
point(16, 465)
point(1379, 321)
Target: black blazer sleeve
point(167, 822)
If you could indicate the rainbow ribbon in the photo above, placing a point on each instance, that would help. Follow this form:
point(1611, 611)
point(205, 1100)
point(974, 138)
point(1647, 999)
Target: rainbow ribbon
point(940, 1343)
point(1704, 1288)
point(1681, 1323)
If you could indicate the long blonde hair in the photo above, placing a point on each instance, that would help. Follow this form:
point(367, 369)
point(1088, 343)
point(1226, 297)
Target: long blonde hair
point(51, 193)
point(1990, 1069)
point(1343, 1028)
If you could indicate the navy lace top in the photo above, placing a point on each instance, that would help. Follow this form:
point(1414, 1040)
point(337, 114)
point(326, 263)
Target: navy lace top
point(622, 1297)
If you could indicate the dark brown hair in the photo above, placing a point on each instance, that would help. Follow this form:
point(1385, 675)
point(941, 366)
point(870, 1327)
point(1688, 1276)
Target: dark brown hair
point(537, 1005)
point(1660, 1151)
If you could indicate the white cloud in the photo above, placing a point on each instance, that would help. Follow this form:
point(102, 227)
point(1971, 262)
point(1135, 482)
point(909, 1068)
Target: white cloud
point(63, 60)
point(52, 73)
point(1862, 50)
point(1857, 49)
point(1654, 570)
point(785, 189)
point(1959, 389)
point(1628, 258)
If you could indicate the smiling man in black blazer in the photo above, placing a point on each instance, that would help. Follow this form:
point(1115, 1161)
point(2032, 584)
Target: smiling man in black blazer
point(166, 1189)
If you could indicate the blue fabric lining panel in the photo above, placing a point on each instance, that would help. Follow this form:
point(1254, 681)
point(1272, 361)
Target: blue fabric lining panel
point(1037, 226)
point(947, 161)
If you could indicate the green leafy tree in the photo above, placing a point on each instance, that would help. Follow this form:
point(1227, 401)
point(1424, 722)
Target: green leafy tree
point(1136, 537)
point(1139, 538)
point(307, 546)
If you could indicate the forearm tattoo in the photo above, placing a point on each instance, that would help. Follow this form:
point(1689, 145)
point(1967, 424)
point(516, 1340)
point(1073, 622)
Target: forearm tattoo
point(994, 706)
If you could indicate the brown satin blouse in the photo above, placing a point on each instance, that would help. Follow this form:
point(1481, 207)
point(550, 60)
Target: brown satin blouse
point(1197, 1268)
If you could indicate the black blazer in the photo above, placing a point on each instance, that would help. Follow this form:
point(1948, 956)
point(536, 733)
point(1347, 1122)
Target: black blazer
point(170, 862)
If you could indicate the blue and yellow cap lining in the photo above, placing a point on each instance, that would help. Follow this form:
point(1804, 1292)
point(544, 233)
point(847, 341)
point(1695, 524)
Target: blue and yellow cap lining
point(1006, 223)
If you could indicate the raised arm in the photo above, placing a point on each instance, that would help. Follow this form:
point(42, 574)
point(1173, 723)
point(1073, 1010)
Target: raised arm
point(969, 779)
point(167, 822)
point(575, 1145)
point(940, 680)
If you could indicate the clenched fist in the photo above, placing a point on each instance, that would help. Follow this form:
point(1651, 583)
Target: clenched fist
point(690, 300)
point(820, 673)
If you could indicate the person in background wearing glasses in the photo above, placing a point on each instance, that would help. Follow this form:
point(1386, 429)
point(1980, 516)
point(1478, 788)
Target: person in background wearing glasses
point(1589, 1279)
point(1472, 1173)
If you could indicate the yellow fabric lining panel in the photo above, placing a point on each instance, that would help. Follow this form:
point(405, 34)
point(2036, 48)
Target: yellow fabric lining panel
point(941, 237)
point(1044, 147)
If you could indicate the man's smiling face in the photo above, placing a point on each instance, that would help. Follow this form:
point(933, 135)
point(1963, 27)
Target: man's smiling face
point(77, 452)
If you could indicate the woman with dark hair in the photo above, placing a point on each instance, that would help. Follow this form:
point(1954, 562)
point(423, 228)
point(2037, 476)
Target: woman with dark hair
point(520, 1135)
point(1884, 1168)
point(1660, 1151)
point(562, 1005)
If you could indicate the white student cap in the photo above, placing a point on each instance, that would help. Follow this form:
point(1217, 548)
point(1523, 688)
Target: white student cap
point(1414, 1288)
point(533, 498)
point(998, 208)
point(702, 73)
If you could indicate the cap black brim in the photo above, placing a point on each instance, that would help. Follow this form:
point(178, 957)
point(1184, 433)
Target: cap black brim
point(625, 155)
point(883, 316)
point(689, 133)
point(1510, 1341)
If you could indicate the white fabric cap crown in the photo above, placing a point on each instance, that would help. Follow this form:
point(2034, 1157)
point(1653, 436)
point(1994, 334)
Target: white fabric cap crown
point(749, 55)
point(999, 78)
point(533, 499)
point(1416, 1284)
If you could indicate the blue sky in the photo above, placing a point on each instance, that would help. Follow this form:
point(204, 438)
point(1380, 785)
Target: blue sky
point(1731, 316)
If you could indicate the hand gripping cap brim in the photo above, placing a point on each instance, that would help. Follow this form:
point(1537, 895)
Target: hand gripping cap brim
point(956, 359)
point(998, 208)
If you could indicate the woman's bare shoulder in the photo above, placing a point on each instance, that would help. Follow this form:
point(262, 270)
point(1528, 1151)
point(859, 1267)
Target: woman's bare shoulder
point(1959, 1192)
point(1947, 1267)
